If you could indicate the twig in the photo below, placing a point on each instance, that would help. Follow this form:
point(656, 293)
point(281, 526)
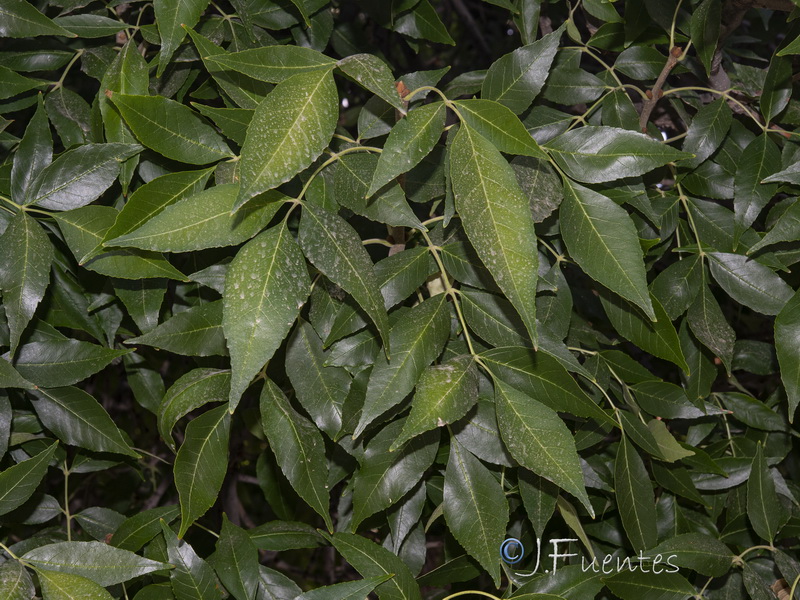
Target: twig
point(464, 13)
point(654, 95)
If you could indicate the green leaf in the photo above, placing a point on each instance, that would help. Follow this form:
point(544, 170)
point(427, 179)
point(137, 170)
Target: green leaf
point(385, 476)
point(423, 23)
point(709, 127)
point(201, 464)
point(10, 378)
point(14, 84)
point(85, 229)
point(499, 125)
point(785, 229)
point(274, 64)
point(298, 448)
point(170, 128)
point(602, 239)
point(34, 153)
point(192, 578)
point(373, 75)
point(171, 16)
point(58, 363)
point(202, 221)
point(542, 377)
point(634, 495)
point(475, 508)
point(416, 340)
point(497, 219)
point(658, 337)
point(139, 529)
point(539, 440)
point(143, 299)
point(193, 332)
point(20, 19)
point(70, 114)
point(18, 483)
point(90, 26)
point(791, 174)
point(67, 586)
point(444, 394)
point(759, 159)
point(593, 154)
point(320, 389)
point(153, 197)
point(265, 287)
point(334, 247)
point(285, 535)
point(764, 509)
point(236, 561)
point(79, 176)
point(787, 347)
point(196, 388)
point(15, 581)
point(233, 122)
point(410, 140)
point(78, 419)
point(710, 326)
point(697, 551)
point(664, 585)
point(777, 88)
point(516, 79)
point(677, 285)
point(371, 560)
point(749, 282)
point(752, 412)
point(705, 26)
point(24, 272)
point(349, 590)
point(668, 447)
point(99, 562)
point(290, 129)
point(539, 497)
point(352, 178)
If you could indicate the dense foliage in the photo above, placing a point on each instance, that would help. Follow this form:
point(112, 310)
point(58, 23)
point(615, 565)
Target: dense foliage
point(339, 295)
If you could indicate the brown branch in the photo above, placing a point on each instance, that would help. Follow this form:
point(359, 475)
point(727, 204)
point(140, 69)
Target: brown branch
point(654, 95)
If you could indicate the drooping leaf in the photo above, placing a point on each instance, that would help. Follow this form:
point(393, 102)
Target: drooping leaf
point(372, 74)
point(298, 448)
point(497, 219)
point(634, 496)
point(333, 246)
point(697, 551)
point(171, 16)
point(602, 239)
point(539, 440)
point(201, 464)
point(348, 590)
point(24, 272)
point(58, 363)
point(759, 160)
point(371, 560)
point(15, 581)
point(416, 340)
point(193, 332)
point(596, 154)
point(20, 19)
point(274, 64)
point(475, 508)
point(68, 586)
point(290, 129)
point(386, 476)
point(140, 528)
point(78, 176)
point(708, 323)
point(192, 578)
point(705, 26)
point(236, 561)
point(170, 128)
point(709, 127)
point(517, 78)
point(499, 125)
point(749, 282)
point(193, 390)
point(410, 140)
point(764, 510)
point(787, 347)
point(77, 418)
point(202, 221)
point(34, 153)
point(443, 395)
point(265, 287)
point(18, 483)
point(99, 562)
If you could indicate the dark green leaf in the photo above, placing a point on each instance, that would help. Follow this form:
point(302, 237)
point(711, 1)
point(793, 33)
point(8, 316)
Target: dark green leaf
point(58, 363)
point(171, 16)
point(787, 347)
point(193, 332)
point(192, 578)
point(749, 282)
point(201, 464)
point(634, 495)
point(764, 509)
point(274, 63)
point(18, 483)
point(236, 561)
point(20, 19)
